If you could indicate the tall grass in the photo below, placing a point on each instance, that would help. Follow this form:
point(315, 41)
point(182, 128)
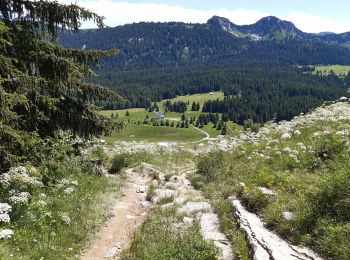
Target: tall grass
point(309, 174)
point(158, 238)
point(61, 227)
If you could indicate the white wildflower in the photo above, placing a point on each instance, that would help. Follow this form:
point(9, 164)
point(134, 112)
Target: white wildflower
point(6, 233)
point(69, 190)
point(294, 157)
point(42, 196)
point(286, 136)
point(19, 197)
point(342, 133)
point(295, 152)
point(5, 208)
point(297, 132)
point(316, 134)
point(66, 219)
point(41, 203)
point(302, 146)
point(19, 177)
point(65, 182)
point(287, 150)
point(4, 217)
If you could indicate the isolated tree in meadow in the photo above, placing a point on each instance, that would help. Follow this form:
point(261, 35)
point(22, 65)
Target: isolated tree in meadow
point(194, 106)
point(219, 126)
point(224, 129)
point(127, 113)
point(42, 86)
point(183, 117)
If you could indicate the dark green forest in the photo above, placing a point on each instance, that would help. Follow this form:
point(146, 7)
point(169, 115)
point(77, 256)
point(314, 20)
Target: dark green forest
point(259, 92)
point(262, 79)
point(159, 45)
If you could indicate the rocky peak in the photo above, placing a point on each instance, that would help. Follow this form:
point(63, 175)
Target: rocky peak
point(224, 24)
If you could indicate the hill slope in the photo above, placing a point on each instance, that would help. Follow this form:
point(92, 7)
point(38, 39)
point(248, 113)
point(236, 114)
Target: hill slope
point(158, 45)
point(254, 62)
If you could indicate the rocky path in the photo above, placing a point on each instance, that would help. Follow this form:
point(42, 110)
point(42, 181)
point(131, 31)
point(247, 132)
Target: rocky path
point(266, 244)
point(128, 213)
point(192, 206)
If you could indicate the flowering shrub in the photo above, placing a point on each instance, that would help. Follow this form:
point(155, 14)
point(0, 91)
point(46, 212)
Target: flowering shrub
point(18, 197)
point(19, 178)
point(6, 233)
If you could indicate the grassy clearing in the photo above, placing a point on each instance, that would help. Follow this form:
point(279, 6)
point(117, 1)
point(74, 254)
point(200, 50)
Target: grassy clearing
point(62, 226)
point(198, 98)
point(337, 69)
point(137, 131)
point(159, 239)
point(309, 174)
point(149, 133)
point(135, 113)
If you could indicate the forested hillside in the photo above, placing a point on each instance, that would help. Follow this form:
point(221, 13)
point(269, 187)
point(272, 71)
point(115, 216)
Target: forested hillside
point(256, 66)
point(155, 45)
point(261, 93)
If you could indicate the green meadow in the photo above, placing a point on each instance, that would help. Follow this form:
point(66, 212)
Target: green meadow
point(149, 133)
point(135, 130)
point(199, 98)
point(337, 69)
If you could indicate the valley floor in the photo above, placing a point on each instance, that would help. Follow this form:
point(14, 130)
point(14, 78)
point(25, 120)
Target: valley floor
point(234, 197)
point(279, 193)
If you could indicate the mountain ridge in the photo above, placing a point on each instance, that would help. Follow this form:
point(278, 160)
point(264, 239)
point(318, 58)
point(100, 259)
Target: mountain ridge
point(158, 45)
point(272, 27)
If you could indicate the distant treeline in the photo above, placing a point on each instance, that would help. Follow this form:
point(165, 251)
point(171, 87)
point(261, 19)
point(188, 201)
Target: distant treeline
point(261, 79)
point(258, 91)
point(171, 45)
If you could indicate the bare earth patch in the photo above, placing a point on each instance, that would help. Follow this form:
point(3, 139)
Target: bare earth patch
point(128, 213)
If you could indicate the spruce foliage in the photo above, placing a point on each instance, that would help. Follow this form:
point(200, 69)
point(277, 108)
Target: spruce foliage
point(41, 84)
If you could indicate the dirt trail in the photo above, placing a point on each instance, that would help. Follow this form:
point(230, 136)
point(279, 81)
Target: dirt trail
point(207, 136)
point(193, 205)
point(128, 213)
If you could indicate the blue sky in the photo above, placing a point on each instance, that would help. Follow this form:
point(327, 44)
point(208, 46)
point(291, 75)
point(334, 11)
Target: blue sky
point(335, 9)
point(308, 15)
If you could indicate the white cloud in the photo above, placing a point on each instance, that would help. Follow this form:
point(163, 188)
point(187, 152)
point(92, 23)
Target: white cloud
point(312, 23)
point(118, 13)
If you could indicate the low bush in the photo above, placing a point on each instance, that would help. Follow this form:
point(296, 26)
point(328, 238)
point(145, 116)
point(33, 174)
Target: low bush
point(118, 162)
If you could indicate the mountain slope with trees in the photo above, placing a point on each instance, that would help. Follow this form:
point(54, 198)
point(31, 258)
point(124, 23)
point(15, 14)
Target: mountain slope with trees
point(158, 45)
point(256, 66)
